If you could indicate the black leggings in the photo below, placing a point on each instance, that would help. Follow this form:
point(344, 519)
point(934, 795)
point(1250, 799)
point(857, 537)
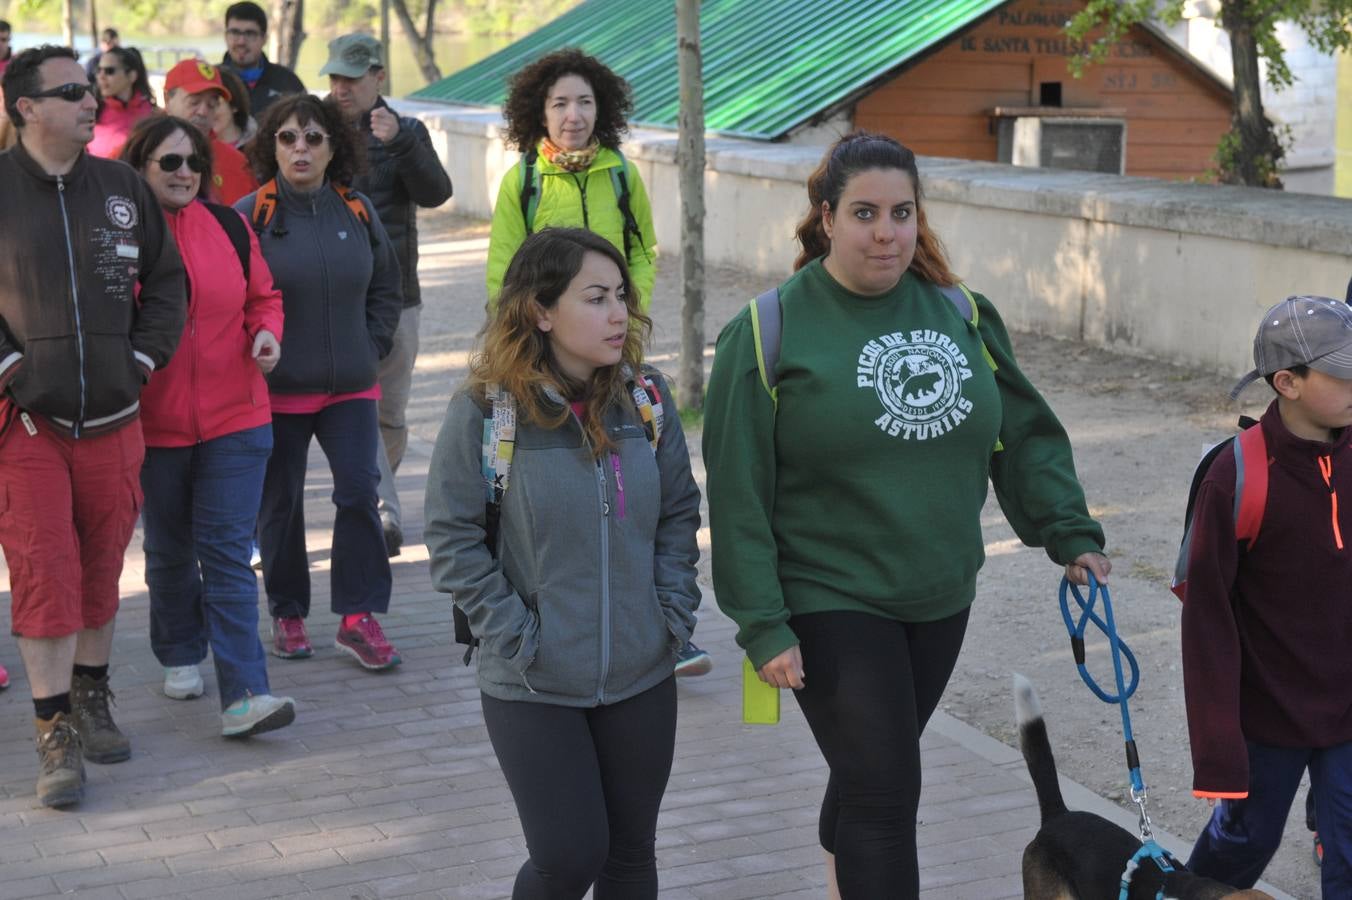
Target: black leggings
point(587, 785)
point(871, 686)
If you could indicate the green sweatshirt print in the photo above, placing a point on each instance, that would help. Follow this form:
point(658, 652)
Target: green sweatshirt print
point(863, 491)
point(583, 200)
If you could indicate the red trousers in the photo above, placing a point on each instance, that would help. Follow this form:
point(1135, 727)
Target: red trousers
point(67, 511)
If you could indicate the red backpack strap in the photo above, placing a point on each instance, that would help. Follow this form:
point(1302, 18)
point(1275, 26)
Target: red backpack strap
point(1251, 482)
point(353, 203)
point(265, 205)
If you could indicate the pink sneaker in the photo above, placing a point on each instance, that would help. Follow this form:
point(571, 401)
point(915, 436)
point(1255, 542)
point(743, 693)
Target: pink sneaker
point(289, 640)
point(366, 643)
point(4, 678)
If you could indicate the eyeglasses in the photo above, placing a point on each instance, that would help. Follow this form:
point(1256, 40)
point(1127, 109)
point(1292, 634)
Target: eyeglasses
point(71, 93)
point(172, 162)
point(108, 70)
point(313, 138)
point(243, 34)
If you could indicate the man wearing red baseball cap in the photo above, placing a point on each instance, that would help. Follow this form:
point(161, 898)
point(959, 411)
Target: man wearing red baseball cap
point(192, 91)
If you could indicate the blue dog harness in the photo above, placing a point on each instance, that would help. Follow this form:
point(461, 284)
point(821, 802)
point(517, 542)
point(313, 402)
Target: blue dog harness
point(1149, 848)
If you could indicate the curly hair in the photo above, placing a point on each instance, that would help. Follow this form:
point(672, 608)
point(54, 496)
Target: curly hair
point(525, 107)
point(349, 149)
point(150, 132)
point(856, 152)
point(516, 354)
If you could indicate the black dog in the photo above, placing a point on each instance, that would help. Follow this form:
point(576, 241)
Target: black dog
point(1081, 856)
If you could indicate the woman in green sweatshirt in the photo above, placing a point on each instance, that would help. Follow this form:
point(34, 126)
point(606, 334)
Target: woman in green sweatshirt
point(845, 491)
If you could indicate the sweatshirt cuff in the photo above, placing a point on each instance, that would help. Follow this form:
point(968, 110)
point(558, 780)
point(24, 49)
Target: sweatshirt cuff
point(1221, 795)
point(769, 644)
point(1071, 548)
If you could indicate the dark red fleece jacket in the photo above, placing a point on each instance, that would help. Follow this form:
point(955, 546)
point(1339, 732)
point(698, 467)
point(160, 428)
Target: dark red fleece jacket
point(1267, 631)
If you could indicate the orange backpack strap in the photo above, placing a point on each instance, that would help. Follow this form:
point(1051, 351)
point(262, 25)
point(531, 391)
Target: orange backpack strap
point(354, 203)
point(265, 205)
point(1251, 483)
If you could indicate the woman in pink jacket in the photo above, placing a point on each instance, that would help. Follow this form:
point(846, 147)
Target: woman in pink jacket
point(208, 434)
point(124, 100)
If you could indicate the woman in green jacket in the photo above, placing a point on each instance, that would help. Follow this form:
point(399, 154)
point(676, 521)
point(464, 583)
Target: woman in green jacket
point(846, 484)
point(566, 112)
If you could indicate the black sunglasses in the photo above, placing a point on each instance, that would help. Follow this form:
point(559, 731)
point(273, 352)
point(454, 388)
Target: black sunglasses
point(313, 138)
point(71, 93)
point(171, 162)
point(109, 70)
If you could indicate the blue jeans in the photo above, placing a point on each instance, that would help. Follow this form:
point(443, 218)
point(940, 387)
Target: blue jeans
point(1242, 835)
point(201, 503)
point(359, 568)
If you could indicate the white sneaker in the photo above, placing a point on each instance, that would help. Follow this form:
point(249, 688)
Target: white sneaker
point(182, 682)
point(257, 714)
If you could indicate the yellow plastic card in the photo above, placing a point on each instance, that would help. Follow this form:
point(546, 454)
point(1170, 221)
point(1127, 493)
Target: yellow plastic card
point(760, 701)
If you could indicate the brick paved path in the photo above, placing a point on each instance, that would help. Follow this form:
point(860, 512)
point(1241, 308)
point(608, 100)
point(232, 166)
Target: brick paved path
point(386, 785)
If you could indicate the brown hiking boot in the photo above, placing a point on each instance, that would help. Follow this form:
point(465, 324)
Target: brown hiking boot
point(61, 772)
point(102, 741)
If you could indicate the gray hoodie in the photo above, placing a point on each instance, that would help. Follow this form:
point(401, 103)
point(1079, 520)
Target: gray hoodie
point(593, 589)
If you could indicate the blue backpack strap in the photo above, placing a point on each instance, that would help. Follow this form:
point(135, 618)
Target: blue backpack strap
point(767, 327)
point(961, 298)
point(530, 189)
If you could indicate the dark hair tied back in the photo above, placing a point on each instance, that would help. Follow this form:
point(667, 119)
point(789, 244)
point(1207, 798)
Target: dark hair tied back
point(856, 152)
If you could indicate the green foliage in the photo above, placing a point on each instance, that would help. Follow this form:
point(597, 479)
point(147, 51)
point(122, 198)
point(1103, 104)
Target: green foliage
point(1327, 23)
point(1229, 152)
point(692, 419)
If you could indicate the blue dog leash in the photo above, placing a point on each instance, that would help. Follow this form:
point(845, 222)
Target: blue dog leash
point(1105, 623)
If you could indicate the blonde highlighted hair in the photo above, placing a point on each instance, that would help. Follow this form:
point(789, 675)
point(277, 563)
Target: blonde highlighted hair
point(858, 152)
point(515, 354)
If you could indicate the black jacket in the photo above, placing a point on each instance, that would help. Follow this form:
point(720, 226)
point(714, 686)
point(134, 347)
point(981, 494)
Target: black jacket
point(401, 176)
point(77, 340)
point(275, 83)
point(339, 281)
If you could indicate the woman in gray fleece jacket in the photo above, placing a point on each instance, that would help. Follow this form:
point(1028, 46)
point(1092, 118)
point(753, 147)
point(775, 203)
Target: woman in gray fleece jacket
point(589, 590)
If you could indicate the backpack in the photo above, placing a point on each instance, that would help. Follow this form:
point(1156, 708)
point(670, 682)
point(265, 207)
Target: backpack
point(265, 206)
point(499, 442)
point(235, 229)
point(1251, 488)
point(619, 181)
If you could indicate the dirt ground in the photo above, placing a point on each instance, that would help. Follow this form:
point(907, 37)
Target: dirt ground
point(1138, 428)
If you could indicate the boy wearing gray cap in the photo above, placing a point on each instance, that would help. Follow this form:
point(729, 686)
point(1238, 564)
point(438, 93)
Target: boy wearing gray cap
point(1268, 620)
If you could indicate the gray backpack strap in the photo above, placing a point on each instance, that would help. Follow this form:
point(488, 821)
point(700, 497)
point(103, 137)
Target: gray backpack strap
point(767, 324)
point(959, 298)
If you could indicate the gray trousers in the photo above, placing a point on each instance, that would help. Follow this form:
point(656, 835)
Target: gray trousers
point(396, 379)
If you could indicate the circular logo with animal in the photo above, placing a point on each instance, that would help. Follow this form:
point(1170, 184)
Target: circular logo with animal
point(917, 382)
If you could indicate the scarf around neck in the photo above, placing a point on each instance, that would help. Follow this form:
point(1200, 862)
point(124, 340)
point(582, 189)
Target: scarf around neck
point(570, 160)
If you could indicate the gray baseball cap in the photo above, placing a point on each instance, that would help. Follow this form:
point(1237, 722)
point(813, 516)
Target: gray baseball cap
point(353, 55)
point(1302, 331)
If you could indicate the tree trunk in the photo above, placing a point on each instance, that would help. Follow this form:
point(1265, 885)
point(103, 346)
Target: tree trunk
point(1247, 120)
point(68, 24)
point(423, 52)
point(94, 21)
point(690, 162)
point(289, 32)
point(385, 45)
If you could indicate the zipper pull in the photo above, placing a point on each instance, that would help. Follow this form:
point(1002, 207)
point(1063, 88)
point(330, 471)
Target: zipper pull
point(619, 482)
point(1326, 469)
point(28, 425)
point(601, 481)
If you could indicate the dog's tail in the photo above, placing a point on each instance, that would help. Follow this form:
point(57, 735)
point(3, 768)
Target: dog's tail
point(1037, 749)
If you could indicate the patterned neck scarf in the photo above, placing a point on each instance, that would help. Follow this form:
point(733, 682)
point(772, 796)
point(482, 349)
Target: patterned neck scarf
point(570, 160)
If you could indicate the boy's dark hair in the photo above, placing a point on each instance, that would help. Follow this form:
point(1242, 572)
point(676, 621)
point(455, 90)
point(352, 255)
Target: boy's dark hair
point(1298, 371)
point(4, 26)
point(525, 107)
point(247, 12)
point(109, 34)
point(22, 78)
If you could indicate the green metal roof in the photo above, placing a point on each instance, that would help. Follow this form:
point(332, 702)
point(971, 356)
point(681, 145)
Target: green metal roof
point(769, 65)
